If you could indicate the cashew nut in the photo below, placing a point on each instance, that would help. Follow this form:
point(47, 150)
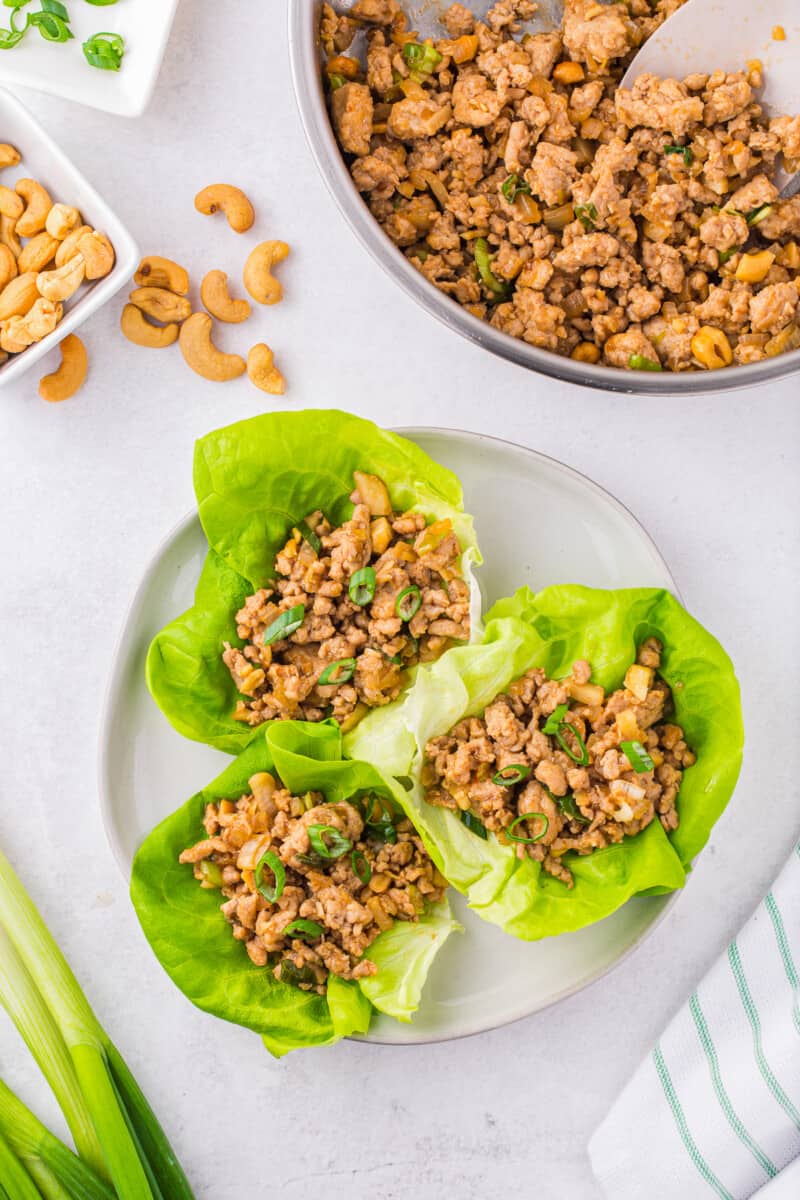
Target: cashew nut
point(8, 266)
point(218, 300)
point(38, 205)
point(9, 155)
point(258, 278)
point(37, 253)
point(11, 205)
point(155, 271)
point(263, 372)
point(19, 296)
point(18, 333)
point(71, 374)
point(98, 254)
point(69, 247)
point(61, 220)
point(64, 282)
point(231, 200)
point(203, 356)
point(138, 329)
point(8, 235)
point(161, 304)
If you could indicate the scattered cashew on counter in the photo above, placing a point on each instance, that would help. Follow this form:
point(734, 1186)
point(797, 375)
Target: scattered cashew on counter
point(70, 376)
point(223, 197)
point(203, 356)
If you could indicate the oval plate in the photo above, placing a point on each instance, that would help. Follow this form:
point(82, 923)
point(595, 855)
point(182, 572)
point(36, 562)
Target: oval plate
point(538, 523)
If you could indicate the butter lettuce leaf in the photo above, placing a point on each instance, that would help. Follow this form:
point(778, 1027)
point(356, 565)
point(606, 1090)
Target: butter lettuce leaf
point(193, 941)
point(552, 630)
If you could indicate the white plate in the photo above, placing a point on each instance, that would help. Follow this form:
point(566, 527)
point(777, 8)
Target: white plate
point(61, 68)
point(538, 523)
point(42, 159)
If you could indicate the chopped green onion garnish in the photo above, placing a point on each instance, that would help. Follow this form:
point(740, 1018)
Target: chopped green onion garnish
point(757, 215)
point(513, 186)
point(581, 759)
point(514, 837)
point(271, 860)
point(303, 926)
point(53, 28)
point(569, 807)
point(362, 586)
point(637, 756)
point(422, 57)
point(334, 847)
point(308, 536)
point(56, 7)
point(211, 872)
point(640, 362)
point(511, 774)
point(104, 50)
point(361, 868)
point(724, 255)
point(407, 604)
point(291, 973)
point(686, 153)
point(483, 261)
point(336, 81)
point(337, 672)
point(473, 824)
point(553, 722)
point(587, 215)
point(284, 625)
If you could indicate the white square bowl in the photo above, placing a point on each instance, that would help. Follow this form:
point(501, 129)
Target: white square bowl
point(43, 160)
point(62, 69)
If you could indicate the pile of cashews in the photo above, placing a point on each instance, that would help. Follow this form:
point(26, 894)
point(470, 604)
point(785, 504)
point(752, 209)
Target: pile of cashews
point(59, 255)
point(158, 312)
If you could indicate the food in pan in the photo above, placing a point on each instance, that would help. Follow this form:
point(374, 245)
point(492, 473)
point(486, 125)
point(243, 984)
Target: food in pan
point(638, 227)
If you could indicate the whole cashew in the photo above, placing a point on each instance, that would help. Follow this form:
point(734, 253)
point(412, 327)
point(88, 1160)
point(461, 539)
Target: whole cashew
point(203, 356)
point(71, 374)
point(155, 271)
point(8, 266)
point(11, 205)
point(218, 300)
point(64, 282)
point(230, 200)
point(258, 278)
point(8, 235)
point(61, 220)
point(262, 370)
point(138, 329)
point(160, 304)
point(69, 247)
point(98, 254)
point(38, 205)
point(18, 333)
point(9, 155)
point(38, 252)
point(19, 296)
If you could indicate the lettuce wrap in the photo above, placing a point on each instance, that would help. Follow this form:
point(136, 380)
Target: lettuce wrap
point(192, 939)
point(552, 630)
point(254, 481)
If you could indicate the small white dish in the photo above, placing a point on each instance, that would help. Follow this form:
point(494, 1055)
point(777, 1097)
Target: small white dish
point(62, 69)
point(538, 523)
point(43, 160)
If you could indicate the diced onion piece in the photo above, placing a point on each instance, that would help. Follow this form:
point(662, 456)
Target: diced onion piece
point(623, 788)
point(590, 694)
point(639, 680)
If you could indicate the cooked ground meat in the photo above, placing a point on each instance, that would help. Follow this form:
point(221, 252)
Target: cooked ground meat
point(571, 775)
point(586, 219)
point(371, 598)
point(381, 873)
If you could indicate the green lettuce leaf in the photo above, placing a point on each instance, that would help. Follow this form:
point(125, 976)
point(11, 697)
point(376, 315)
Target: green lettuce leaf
point(254, 481)
point(551, 630)
point(193, 942)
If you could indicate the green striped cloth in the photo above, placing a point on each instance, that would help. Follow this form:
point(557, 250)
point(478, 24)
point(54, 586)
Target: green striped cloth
point(715, 1109)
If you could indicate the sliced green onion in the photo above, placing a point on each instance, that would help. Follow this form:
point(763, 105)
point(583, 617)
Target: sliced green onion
point(211, 873)
point(408, 603)
point(361, 868)
point(724, 255)
point(757, 215)
point(336, 81)
point(285, 625)
point(473, 824)
point(292, 974)
point(51, 27)
point(101, 3)
point(587, 215)
point(303, 926)
point(337, 672)
point(422, 57)
point(637, 756)
point(569, 807)
point(483, 261)
point(513, 187)
point(640, 362)
point(554, 721)
point(383, 831)
point(56, 7)
point(336, 845)
point(686, 153)
point(9, 38)
point(515, 837)
point(362, 586)
point(581, 759)
point(309, 537)
point(271, 860)
point(511, 774)
point(104, 50)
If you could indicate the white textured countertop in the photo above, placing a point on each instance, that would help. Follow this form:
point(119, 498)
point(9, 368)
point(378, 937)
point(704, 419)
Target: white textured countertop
point(90, 487)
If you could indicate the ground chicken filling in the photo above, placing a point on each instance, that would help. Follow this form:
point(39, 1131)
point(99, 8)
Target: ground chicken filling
point(310, 885)
point(556, 765)
point(640, 227)
point(351, 609)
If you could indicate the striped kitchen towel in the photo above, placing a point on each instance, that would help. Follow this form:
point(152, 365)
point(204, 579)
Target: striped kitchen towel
point(715, 1109)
